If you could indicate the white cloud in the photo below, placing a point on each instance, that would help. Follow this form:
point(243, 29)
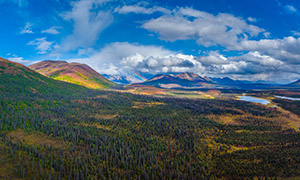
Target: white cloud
point(115, 53)
point(162, 64)
point(141, 10)
point(21, 60)
point(286, 49)
point(213, 58)
point(291, 9)
point(88, 22)
point(43, 46)
point(208, 29)
point(250, 66)
point(265, 59)
point(229, 31)
point(27, 29)
point(243, 68)
point(52, 30)
point(125, 59)
point(251, 19)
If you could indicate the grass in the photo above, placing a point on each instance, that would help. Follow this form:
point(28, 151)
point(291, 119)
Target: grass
point(38, 138)
point(105, 116)
point(138, 105)
point(82, 81)
point(289, 119)
point(99, 126)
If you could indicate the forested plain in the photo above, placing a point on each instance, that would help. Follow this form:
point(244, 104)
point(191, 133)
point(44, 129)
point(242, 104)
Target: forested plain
point(54, 130)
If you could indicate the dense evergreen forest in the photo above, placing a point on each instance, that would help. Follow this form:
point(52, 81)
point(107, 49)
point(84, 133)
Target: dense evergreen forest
point(292, 106)
point(54, 130)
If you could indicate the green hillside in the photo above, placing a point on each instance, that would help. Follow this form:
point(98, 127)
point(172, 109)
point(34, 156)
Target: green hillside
point(19, 81)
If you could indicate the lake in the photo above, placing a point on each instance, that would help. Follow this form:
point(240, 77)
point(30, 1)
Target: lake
point(253, 99)
point(289, 98)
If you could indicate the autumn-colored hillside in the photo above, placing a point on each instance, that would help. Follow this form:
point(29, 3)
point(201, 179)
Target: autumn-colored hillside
point(17, 80)
point(75, 73)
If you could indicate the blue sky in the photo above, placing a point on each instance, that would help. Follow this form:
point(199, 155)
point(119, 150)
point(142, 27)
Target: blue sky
point(247, 40)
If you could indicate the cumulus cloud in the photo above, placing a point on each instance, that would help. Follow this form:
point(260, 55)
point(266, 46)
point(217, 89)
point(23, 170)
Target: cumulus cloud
point(88, 22)
point(162, 64)
point(27, 29)
point(257, 56)
point(42, 45)
point(125, 59)
point(252, 65)
point(52, 30)
point(229, 31)
point(116, 53)
point(208, 29)
point(286, 49)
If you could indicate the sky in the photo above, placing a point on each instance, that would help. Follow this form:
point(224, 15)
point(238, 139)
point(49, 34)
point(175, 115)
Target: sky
point(246, 40)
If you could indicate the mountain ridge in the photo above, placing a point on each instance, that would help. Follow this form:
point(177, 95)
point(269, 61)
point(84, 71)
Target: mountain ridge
point(294, 84)
point(188, 80)
point(185, 80)
point(75, 73)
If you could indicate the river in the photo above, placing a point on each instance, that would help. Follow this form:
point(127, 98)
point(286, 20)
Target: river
point(289, 98)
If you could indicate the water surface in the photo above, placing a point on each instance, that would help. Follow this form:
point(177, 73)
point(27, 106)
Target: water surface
point(253, 99)
point(289, 98)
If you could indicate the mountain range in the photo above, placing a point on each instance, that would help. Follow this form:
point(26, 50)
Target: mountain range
point(83, 75)
point(178, 80)
point(75, 73)
point(188, 80)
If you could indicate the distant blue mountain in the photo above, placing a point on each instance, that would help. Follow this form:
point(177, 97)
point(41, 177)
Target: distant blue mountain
point(192, 80)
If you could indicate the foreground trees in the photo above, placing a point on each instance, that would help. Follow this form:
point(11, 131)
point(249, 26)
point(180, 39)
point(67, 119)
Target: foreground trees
point(101, 136)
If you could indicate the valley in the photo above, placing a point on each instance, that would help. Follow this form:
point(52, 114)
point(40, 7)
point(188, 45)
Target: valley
point(51, 129)
point(149, 90)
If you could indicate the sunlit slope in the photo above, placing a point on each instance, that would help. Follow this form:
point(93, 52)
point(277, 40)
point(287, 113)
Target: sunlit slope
point(75, 73)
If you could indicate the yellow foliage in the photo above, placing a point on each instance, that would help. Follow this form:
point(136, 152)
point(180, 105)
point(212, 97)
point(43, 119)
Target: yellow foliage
point(146, 104)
